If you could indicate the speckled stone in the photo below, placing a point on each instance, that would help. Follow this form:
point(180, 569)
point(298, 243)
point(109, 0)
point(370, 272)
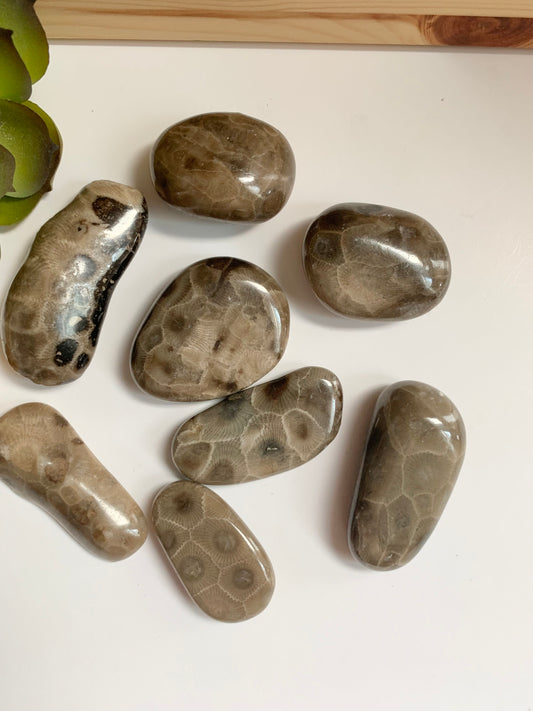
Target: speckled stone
point(413, 455)
point(264, 430)
point(225, 166)
point(218, 327)
point(58, 300)
point(375, 262)
point(44, 460)
point(217, 558)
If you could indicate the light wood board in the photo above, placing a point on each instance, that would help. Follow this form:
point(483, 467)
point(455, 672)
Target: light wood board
point(400, 22)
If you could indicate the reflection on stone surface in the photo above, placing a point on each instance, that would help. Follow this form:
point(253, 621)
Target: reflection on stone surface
point(374, 262)
point(264, 430)
point(44, 460)
point(226, 166)
point(217, 558)
point(218, 327)
point(57, 302)
point(413, 455)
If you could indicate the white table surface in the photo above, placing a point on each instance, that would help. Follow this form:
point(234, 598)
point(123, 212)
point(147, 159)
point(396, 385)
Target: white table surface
point(443, 133)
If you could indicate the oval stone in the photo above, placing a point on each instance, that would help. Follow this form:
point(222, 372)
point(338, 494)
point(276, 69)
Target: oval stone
point(264, 430)
point(374, 262)
point(43, 459)
point(215, 555)
point(58, 300)
point(413, 455)
point(225, 166)
point(219, 326)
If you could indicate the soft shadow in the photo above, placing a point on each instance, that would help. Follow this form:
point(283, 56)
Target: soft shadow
point(290, 269)
point(173, 221)
point(343, 491)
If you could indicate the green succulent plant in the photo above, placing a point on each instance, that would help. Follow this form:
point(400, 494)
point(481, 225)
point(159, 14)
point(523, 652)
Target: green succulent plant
point(15, 81)
point(29, 36)
point(30, 143)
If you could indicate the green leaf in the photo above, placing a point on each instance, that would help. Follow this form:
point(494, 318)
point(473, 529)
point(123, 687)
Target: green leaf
point(15, 82)
point(7, 171)
point(14, 210)
point(29, 36)
point(24, 133)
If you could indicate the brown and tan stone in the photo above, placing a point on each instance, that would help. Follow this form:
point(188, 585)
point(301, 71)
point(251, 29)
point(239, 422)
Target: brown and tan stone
point(413, 455)
point(264, 430)
point(375, 262)
point(57, 302)
point(221, 564)
point(226, 166)
point(44, 460)
point(218, 327)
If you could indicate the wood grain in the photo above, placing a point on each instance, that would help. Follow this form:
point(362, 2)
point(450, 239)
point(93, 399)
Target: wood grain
point(401, 22)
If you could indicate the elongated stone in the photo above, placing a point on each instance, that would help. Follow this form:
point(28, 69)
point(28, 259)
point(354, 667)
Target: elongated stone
point(225, 166)
point(44, 460)
point(219, 326)
point(413, 455)
point(57, 302)
point(217, 558)
point(375, 262)
point(264, 430)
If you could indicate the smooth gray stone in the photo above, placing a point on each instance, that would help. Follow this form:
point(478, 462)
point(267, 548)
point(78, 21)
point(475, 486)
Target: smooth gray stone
point(264, 430)
point(374, 262)
point(218, 327)
point(220, 562)
point(413, 455)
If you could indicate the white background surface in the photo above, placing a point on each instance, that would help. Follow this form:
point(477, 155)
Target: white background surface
point(444, 133)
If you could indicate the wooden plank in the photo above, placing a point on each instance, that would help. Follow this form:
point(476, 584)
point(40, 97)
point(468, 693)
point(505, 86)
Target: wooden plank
point(401, 22)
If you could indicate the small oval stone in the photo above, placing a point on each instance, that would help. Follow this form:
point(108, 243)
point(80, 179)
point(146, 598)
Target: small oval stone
point(264, 430)
point(375, 262)
point(219, 326)
point(58, 300)
point(413, 455)
point(43, 459)
point(217, 558)
point(225, 166)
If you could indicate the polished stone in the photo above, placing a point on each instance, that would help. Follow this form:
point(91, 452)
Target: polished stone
point(264, 430)
point(44, 460)
point(374, 262)
point(58, 300)
point(218, 327)
point(226, 166)
point(217, 558)
point(413, 455)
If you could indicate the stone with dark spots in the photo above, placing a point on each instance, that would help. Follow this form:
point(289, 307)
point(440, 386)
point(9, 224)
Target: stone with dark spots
point(413, 456)
point(374, 262)
point(83, 361)
point(225, 166)
point(81, 251)
point(44, 460)
point(258, 435)
point(65, 351)
point(220, 562)
point(109, 210)
point(193, 362)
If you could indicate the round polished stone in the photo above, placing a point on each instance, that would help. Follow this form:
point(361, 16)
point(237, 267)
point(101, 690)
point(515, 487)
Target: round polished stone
point(218, 327)
point(225, 166)
point(413, 456)
point(374, 262)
